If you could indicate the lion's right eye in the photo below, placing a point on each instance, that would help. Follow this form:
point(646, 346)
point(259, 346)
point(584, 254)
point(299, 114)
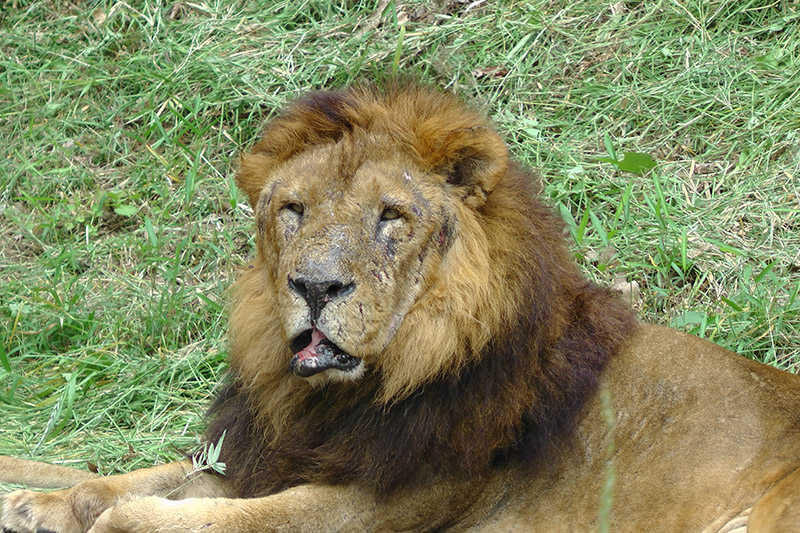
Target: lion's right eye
point(390, 213)
point(295, 207)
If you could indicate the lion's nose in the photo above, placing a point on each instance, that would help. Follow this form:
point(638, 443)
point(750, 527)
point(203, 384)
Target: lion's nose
point(318, 294)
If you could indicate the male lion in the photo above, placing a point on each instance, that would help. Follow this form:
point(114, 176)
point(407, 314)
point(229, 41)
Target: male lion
point(413, 349)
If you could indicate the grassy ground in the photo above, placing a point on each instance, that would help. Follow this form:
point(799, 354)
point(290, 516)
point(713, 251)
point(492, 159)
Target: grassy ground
point(121, 228)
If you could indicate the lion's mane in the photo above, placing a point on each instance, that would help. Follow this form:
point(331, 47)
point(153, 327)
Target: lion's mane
point(493, 362)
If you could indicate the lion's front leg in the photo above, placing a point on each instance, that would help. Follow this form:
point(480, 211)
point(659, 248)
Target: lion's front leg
point(306, 508)
point(77, 509)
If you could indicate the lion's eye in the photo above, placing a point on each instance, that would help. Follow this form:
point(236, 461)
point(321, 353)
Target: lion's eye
point(390, 213)
point(297, 208)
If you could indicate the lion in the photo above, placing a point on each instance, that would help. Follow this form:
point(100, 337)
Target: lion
point(413, 348)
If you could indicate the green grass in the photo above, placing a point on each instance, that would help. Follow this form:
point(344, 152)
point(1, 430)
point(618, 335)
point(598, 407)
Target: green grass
point(121, 227)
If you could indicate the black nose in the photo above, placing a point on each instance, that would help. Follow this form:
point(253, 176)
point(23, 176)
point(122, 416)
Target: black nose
point(318, 294)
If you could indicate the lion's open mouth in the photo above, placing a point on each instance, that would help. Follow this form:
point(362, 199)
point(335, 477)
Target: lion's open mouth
point(314, 353)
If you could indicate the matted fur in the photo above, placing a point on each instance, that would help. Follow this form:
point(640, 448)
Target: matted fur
point(497, 354)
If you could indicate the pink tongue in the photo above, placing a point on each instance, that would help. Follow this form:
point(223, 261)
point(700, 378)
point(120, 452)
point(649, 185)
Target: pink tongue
point(311, 350)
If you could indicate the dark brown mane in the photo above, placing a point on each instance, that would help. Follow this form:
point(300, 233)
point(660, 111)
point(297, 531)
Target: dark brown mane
point(513, 402)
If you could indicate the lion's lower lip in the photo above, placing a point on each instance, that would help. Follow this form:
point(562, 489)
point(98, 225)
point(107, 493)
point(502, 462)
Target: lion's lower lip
point(314, 353)
point(313, 365)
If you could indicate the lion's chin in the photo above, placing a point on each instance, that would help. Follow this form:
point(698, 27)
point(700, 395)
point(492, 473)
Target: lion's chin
point(315, 353)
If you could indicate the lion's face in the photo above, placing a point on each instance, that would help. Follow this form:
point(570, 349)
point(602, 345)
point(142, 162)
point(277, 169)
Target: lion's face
point(349, 240)
point(373, 248)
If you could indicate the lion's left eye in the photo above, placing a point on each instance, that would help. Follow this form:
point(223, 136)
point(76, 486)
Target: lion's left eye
point(390, 213)
point(295, 207)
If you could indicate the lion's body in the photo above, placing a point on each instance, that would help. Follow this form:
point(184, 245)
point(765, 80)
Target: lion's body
point(414, 349)
point(699, 435)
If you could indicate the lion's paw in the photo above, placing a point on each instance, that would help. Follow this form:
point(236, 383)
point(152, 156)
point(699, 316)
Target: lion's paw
point(133, 517)
point(38, 512)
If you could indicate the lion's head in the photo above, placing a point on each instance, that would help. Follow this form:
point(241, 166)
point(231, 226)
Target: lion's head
point(408, 288)
point(369, 239)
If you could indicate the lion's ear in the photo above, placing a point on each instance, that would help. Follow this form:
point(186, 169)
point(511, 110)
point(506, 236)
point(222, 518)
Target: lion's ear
point(474, 160)
point(253, 173)
point(318, 118)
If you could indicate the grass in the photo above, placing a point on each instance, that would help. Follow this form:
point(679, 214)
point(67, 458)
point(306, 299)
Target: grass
point(121, 227)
